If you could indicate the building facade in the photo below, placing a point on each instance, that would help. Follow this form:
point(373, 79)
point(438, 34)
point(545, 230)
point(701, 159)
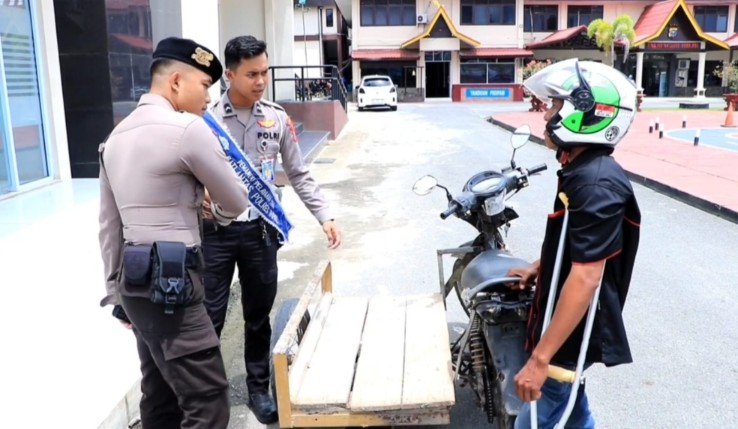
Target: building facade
point(33, 148)
point(70, 70)
point(321, 36)
point(475, 50)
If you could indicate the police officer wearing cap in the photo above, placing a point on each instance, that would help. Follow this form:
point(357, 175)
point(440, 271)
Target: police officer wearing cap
point(152, 170)
point(265, 133)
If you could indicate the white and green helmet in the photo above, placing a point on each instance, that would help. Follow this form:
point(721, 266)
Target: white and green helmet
point(599, 102)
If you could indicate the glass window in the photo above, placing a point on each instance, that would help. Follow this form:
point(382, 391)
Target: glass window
point(4, 163)
point(387, 12)
point(473, 73)
point(488, 12)
point(487, 70)
point(712, 18)
point(501, 73)
point(582, 15)
point(21, 88)
point(540, 18)
point(329, 17)
point(437, 56)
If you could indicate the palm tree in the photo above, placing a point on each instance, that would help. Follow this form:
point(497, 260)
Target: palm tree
point(607, 35)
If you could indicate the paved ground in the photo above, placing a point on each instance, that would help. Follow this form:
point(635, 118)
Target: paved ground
point(680, 314)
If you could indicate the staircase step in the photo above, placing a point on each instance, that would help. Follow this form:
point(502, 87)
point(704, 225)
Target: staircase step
point(311, 142)
point(299, 128)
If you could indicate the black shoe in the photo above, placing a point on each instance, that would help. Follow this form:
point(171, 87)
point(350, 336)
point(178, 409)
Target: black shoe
point(263, 408)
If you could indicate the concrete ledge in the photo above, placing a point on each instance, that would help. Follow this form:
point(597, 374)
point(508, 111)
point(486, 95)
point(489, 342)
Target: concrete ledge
point(126, 413)
point(694, 105)
point(662, 188)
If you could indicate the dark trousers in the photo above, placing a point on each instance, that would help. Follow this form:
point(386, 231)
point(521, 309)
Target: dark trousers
point(183, 380)
point(252, 246)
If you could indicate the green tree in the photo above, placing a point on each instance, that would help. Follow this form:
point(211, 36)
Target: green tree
point(608, 34)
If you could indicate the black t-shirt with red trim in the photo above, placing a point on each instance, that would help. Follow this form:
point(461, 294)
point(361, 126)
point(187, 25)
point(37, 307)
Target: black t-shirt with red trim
point(604, 224)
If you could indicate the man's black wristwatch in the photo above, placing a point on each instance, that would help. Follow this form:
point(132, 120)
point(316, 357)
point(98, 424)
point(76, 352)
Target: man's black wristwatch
point(120, 314)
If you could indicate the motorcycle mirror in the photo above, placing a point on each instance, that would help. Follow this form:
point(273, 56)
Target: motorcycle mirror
point(520, 136)
point(424, 185)
point(518, 139)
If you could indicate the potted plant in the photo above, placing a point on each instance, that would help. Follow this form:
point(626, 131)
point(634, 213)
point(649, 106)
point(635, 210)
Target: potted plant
point(530, 69)
point(729, 75)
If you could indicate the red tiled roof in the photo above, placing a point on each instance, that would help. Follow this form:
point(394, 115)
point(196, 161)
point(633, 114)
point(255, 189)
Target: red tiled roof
point(732, 41)
point(653, 18)
point(134, 41)
point(385, 54)
point(496, 52)
point(557, 37)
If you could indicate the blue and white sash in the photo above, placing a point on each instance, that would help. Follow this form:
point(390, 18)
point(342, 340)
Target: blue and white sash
point(261, 195)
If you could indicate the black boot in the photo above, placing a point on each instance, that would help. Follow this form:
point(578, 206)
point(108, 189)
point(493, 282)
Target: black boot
point(263, 407)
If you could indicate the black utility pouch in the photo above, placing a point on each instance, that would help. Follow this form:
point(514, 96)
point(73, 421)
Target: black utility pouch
point(169, 273)
point(137, 264)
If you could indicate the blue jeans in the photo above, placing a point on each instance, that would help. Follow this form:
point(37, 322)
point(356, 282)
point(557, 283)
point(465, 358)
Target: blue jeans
point(554, 396)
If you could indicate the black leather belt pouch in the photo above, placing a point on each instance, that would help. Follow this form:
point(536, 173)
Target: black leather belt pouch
point(137, 264)
point(169, 273)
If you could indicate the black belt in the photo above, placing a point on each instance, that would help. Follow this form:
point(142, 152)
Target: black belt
point(194, 257)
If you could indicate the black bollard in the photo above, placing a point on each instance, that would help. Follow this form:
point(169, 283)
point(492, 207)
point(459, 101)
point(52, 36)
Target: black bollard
point(697, 137)
point(661, 134)
point(650, 126)
point(684, 121)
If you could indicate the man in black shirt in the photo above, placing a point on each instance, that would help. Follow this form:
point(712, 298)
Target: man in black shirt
point(593, 106)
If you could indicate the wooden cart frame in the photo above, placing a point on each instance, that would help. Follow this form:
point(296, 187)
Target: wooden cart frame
point(422, 370)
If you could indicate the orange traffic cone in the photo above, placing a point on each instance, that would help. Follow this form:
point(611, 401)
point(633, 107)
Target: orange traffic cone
point(729, 117)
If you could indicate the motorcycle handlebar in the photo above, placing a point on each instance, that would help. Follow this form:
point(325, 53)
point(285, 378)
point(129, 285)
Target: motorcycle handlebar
point(537, 169)
point(451, 210)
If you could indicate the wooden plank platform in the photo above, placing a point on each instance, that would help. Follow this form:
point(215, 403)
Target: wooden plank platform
point(330, 372)
point(428, 378)
point(382, 361)
point(379, 371)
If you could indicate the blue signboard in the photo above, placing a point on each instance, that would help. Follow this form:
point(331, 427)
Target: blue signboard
point(487, 93)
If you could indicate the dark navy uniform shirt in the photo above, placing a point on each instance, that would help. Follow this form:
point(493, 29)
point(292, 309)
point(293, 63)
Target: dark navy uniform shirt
point(604, 223)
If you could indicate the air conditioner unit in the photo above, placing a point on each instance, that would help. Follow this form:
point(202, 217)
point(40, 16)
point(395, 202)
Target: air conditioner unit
point(422, 18)
point(683, 64)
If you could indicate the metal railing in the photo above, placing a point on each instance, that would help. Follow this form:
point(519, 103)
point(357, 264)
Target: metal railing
point(329, 85)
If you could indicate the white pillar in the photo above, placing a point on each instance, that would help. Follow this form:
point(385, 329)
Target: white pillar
point(51, 87)
point(200, 23)
point(639, 71)
point(279, 17)
point(700, 90)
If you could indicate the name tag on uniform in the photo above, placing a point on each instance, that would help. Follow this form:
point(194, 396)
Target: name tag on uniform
point(267, 170)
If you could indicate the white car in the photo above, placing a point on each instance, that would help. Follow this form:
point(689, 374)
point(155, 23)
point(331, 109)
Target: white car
point(377, 91)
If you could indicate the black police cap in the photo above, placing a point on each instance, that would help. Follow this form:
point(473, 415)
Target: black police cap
point(190, 52)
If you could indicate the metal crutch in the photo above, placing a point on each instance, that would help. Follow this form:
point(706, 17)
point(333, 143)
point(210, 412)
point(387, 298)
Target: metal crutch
point(560, 374)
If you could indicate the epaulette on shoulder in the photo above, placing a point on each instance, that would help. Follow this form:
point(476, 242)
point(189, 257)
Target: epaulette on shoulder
point(272, 105)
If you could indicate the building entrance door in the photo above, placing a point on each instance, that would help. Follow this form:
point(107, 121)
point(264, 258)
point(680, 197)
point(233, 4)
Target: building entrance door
point(656, 74)
point(437, 74)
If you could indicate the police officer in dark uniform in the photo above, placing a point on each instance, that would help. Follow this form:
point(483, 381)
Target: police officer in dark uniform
point(152, 170)
point(265, 134)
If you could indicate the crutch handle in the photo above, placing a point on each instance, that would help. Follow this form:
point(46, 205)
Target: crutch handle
point(560, 374)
